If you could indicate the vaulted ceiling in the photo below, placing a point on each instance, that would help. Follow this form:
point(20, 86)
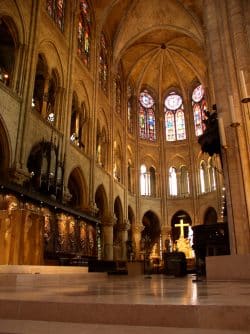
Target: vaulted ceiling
point(160, 43)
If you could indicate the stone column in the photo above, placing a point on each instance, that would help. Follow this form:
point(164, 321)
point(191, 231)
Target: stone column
point(137, 239)
point(108, 223)
point(123, 232)
point(222, 44)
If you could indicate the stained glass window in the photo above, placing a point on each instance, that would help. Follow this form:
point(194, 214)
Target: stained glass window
point(174, 118)
point(147, 116)
point(84, 32)
point(199, 106)
point(103, 64)
point(129, 109)
point(118, 91)
point(55, 9)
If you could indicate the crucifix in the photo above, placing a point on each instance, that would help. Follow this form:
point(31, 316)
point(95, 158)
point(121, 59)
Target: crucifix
point(181, 226)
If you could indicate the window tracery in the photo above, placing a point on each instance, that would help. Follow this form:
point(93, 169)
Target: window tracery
point(199, 106)
point(147, 128)
point(174, 117)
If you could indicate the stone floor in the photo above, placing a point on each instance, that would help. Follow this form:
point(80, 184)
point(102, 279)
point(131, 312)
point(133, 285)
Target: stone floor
point(96, 303)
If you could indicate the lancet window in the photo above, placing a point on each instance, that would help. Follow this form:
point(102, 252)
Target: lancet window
point(199, 106)
point(130, 108)
point(84, 32)
point(147, 116)
point(103, 64)
point(172, 180)
point(212, 176)
point(174, 117)
point(118, 90)
point(78, 119)
point(147, 181)
point(55, 9)
point(203, 177)
point(184, 182)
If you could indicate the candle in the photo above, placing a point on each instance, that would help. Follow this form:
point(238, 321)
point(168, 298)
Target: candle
point(223, 141)
point(243, 84)
point(231, 109)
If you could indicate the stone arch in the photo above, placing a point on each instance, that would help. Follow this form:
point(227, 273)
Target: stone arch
point(9, 38)
point(150, 235)
point(39, 83)
point(101, 201)
point(210, 216)
point(5, 151)
point(118, 210)
point(54, 59)
point(77, 188)
point(177, 217)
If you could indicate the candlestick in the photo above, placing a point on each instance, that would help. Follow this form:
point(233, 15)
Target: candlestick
point(223, 141)
point(243, 85)
point(231, 109)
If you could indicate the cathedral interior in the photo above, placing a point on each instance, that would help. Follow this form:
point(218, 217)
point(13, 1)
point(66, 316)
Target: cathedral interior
point(124, 130)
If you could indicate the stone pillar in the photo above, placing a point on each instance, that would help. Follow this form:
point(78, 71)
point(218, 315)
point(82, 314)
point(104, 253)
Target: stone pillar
point(137, 239)
point(218, 19)
point(108, 223)
point(123, 232)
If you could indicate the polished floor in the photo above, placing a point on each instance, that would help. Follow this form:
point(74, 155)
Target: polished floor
point(96, 303)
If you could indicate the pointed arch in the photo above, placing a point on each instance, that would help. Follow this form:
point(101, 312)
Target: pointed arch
point(101, 201)
point(150, 235)
point(176, 231)
point(210, 216)
point(5, 150)
point(78, 188)
point(9, 40)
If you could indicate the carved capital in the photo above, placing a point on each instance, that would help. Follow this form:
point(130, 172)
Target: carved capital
point(92, 209)
point(138, 228)
point(109, 220)
point(125, 225)
point(165, 230)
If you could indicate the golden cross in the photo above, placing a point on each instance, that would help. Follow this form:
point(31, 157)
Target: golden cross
point(181, 225)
